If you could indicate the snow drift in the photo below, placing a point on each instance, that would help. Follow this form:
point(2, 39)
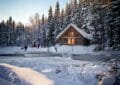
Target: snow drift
point(30, 76)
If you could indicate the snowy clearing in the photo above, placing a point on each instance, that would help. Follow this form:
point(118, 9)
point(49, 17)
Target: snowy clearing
point(60, 49)
point(55, 69)
point(62, 71)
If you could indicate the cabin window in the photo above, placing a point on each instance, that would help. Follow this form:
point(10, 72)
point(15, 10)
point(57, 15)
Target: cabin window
point(71, 41)
point(72, 34)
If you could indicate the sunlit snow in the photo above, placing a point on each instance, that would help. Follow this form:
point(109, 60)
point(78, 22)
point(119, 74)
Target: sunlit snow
point(30, 76)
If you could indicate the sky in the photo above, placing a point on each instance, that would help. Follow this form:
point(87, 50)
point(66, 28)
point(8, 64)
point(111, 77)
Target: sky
point(21, 10)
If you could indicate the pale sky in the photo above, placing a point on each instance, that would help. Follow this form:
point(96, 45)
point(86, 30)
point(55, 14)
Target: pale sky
point(21, 10)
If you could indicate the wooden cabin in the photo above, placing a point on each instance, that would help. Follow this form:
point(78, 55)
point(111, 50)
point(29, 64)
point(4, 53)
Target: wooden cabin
point(72, 35)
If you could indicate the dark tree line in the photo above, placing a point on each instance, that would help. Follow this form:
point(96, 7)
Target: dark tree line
point(12, 34)
point(96, 17)
point(113, 25)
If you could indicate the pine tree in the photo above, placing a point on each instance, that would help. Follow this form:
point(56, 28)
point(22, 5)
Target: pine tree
point(85, 16)
point(43, 32)
point(67, 14)
point(75, 4)
point(57, 19)
point(74, 11)
point(11, 28)
point(22, 35)
point(37, 27)
point(43, 19)
point(114, 21)
point(0, 34)
point(76, 14)
point(50, 29)
point(96, 23)
point(14, 33)
point(62, 19)
point(3, 34)
point(79, 17)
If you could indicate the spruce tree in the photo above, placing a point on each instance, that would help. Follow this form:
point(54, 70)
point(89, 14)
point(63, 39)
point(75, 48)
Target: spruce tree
point(43, 19)
point(57, 19)
point(50, 29)
point(0, 34)
point(114, 21)
point(75, 4)
point(74, 11)
point(67, 14)
point(43, 32)
point(3, 34)
point(62, 19)
point(11, 29)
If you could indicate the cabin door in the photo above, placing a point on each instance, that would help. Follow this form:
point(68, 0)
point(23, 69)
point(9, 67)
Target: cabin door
point(71, 41)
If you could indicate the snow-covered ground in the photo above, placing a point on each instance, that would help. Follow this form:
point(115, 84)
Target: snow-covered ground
point(28, 75)
point(55, 70)
point(58, 70)
point(60, 49)
point(75, 52)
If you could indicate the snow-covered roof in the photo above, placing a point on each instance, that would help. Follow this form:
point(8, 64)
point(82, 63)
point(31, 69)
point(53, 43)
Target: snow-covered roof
point(83, 33)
